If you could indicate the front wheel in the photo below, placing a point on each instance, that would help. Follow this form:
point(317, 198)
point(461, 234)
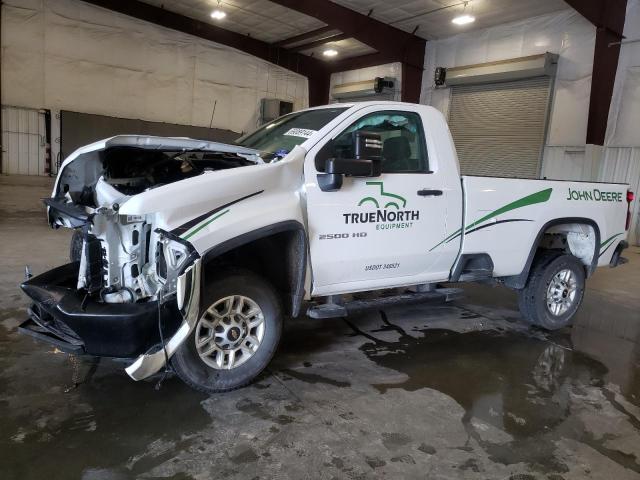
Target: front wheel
point(235, 337)
point(554, 290)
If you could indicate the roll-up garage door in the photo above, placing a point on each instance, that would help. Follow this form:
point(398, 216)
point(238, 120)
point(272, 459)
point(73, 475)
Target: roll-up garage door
point(499, 128)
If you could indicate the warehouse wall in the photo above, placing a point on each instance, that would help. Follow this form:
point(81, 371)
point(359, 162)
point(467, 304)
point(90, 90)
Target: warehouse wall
point(68, 55)
point(622, 142)
point(567, 33)
point(624, 116)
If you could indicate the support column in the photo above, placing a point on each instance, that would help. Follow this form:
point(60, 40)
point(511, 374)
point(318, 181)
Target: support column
point(608, 17)
point(319, 82)
point(411, 83)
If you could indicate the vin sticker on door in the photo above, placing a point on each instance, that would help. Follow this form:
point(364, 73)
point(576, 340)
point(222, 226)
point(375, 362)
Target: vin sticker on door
point(300, 132)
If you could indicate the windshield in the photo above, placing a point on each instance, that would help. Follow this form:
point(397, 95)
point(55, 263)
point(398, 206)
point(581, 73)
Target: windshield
point(277, 138)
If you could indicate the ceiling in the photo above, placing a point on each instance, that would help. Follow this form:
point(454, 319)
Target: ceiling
point(260, 19)
point(269, 22)
point(349, 47)
point(433, 17)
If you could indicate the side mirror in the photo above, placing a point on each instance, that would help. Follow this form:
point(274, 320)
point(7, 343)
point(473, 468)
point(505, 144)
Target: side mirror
point(367, 150)
point(368, 145)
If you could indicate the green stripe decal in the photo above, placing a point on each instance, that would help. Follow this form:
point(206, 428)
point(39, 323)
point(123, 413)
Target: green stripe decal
point(607, 243)
point(199, 227)
point(538, 197)
point(609, 240)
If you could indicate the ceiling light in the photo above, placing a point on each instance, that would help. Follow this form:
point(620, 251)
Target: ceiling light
point(463, 19)
point(218, 14)
point(330, 52)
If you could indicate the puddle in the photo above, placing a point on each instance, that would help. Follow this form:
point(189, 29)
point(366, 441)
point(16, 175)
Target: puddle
point(522, 385)
point(95, 427)
point(517, 383)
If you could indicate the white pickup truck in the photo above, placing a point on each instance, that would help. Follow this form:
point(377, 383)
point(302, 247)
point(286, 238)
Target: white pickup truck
point(191, 253)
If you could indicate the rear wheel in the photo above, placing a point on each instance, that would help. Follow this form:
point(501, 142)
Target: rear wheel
point(235, 337)
point(554, 290)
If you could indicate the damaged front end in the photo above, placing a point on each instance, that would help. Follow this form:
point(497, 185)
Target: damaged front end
point(88, 321)
point(135, 291)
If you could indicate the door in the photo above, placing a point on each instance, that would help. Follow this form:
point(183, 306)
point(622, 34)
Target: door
point(499, 128)
point(377, 232)
point(23, 141)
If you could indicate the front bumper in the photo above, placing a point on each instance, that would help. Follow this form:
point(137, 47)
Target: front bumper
point(76, 323)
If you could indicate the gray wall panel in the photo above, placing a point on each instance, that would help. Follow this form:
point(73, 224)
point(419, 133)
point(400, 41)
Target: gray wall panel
point(78, 129)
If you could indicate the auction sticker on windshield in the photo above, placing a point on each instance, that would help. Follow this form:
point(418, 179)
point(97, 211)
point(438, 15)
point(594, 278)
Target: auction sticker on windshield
point(300, 132)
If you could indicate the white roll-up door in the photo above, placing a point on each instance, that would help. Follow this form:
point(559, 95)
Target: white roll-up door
point(499, 128)
point(23, 141)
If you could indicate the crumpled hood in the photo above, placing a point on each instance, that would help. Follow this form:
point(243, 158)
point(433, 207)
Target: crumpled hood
point(89, 153)
point(251, 197)
point(159, 143)
point(115, 169)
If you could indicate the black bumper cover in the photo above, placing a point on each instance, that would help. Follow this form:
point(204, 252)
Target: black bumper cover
point(76, 323)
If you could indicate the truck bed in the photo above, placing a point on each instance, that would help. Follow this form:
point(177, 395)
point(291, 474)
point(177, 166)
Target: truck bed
point(504, 216)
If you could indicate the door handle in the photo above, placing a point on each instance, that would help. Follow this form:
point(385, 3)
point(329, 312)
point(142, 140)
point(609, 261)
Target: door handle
point(429, 193)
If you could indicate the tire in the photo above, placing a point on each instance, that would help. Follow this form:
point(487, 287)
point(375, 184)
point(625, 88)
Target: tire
point(75, 247)
point(213, 373)
point(548, 300)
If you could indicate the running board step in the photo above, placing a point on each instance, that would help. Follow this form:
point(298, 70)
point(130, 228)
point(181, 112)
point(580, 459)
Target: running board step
point(333, 310)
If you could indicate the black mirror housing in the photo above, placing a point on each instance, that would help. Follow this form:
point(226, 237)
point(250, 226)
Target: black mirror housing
point(329, 182)
point(367, 150)
point(337, 168)
point(367, 146)
point(350, 167)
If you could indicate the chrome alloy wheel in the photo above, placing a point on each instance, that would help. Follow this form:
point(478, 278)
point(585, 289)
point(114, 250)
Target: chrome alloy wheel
point(229, 332)
point(562, 292)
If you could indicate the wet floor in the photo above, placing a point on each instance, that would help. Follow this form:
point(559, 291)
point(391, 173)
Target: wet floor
point(432, 391)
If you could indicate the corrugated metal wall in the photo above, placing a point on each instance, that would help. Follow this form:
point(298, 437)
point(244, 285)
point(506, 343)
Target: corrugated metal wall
point(23, 141)
point(569, 163)
point(611, 164)
point(622, 164)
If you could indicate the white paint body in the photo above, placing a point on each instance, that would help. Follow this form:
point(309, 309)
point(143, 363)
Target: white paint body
point(509, 244)
point(372, 255)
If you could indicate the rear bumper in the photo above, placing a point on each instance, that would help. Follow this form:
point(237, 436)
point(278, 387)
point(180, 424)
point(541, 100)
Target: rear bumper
point(617, 258)
point(64, 317)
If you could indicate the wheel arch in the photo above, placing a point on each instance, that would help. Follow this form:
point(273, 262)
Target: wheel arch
point(278, 252)
point(519, 281)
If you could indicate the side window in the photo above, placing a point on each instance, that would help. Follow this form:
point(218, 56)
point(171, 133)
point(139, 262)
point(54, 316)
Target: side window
point(403, 144)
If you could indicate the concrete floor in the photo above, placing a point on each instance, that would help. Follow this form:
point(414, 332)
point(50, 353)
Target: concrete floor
point(439, 392)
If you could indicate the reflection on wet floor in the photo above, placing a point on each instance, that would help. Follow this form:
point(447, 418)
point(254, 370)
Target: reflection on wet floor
point(338, 400)
point(517, 382)
point(604, 329)
point(610, 332)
